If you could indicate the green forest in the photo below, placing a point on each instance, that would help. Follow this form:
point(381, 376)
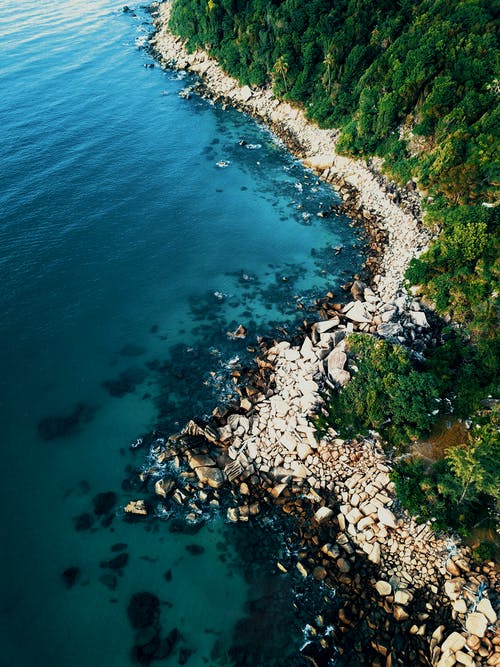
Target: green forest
point(415, 82)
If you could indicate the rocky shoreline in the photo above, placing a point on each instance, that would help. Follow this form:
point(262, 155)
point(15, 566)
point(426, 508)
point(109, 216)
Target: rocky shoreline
point(404, 595)
point(391, 215)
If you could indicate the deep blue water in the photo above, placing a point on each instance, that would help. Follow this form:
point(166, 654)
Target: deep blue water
point(126, 256)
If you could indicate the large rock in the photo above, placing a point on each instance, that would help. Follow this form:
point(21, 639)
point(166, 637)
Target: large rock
point(357, 312)
point(453, 643)
point(484, 607)
point(476, 624)
point(303, 450)
point(136, 507)
point(200, 461)
point(383, 588)
point(323, 514)
point(386, 517)
point(358, 290)
point(214, 477)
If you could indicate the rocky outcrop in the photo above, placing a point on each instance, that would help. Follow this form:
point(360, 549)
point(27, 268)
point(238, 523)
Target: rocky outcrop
point(389, 571)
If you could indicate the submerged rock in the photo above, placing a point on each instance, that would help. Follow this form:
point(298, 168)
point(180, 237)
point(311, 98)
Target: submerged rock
point(104, 502)
point(116, 563)
point(143, 609)
point(195, 549)
point(83, 521)
point(70, 576)
point(53, 427)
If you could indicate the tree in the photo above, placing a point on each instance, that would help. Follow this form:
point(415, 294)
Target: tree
point(386, 393)
point(476, 464)
point(281, 68)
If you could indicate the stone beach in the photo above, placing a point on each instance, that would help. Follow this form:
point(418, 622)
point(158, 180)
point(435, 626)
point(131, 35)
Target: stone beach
point(404, 594)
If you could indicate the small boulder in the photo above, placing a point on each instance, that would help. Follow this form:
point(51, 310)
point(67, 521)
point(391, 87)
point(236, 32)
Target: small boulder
point(452, 568)
point(358, 290)
point(402, 597)
point(164, 486)
point(302, 569)
point(200, 460)
point(386, 517)
point(246, 93)
point(460, 606)
point(374, 556)
point(399, 613)
point(214, 477)
point(383, 588)
point(453, 643)
point(319, 573)
point(476, 623)
point(136, 507)
point(323, 514)
point(343, 565)
point(484, 607)
point(419, 319)
point(303, 450)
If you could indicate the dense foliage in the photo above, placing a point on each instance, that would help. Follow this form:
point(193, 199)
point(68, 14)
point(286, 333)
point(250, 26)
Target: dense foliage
point(463, 489)
point(386, 393)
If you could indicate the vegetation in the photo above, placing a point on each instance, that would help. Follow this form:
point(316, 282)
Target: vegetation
point(416, 83)
point(463, 489)
point(386, 394)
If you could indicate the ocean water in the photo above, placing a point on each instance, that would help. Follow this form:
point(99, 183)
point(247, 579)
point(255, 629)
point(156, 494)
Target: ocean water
point(127, 253)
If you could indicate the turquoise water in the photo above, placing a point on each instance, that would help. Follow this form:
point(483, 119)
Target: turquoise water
point(126, 256)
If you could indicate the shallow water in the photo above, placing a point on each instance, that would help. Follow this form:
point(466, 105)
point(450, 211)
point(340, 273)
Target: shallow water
point(127, 254)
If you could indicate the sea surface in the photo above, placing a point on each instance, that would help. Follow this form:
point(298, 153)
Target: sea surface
point(126, 255)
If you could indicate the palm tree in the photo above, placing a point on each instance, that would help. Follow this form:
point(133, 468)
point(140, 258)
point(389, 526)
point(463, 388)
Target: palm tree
point(281, 68)
point(329, 62)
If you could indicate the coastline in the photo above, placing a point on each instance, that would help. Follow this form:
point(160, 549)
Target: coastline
point(389, 569)
point(396, 235)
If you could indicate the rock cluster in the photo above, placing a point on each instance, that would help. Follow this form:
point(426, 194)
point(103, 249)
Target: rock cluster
point(352, 532)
